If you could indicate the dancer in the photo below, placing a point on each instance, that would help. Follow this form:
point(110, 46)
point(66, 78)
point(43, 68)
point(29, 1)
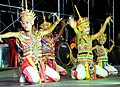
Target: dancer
point(48, 47)
point(33, 68)
point(102, 54)
point(85, 67)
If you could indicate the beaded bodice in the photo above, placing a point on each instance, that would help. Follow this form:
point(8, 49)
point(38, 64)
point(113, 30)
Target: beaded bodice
point(48, 48)
point(85, 45)
point(30, 45)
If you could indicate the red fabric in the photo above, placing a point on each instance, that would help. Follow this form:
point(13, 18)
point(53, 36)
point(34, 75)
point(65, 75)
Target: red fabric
point(49, 79)
point(99, 76)
point(75, 74)
point(28, 76)
point(42, 69)
point(25, 64)
point(14, 55)
point(51, 63)
point(73, 39)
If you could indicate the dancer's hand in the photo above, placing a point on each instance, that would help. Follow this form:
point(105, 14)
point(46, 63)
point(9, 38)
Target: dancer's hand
point(72, 22)
point(112, 41)
point(108, 19)
point(58, 19)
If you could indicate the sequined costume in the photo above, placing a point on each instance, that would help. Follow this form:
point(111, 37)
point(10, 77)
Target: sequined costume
point(102, 55)
point(48, 47)
point(31, 48)
point(48, 51)
point(33, 69)
point(85, 67)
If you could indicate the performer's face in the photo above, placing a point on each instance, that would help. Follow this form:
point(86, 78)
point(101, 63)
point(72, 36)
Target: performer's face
point(26, 24)
point(86, 29)
point(102, 40)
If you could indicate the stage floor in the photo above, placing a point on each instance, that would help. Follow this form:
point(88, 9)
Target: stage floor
point(13, 81)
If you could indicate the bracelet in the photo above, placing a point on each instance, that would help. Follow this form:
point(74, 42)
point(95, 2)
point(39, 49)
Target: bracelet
point(56, 22)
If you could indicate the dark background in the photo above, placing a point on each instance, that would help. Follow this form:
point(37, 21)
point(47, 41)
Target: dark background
point(99, 10)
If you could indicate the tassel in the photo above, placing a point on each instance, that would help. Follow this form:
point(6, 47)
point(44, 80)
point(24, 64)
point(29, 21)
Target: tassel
point(87, 70)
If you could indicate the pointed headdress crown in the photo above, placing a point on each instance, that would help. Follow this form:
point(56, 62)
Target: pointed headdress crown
point(81, 21)
point(27, 14)
point(44, 24)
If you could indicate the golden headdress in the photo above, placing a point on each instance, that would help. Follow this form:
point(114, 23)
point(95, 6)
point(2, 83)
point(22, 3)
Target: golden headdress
point(26, 14)
point(48, 24)
point(81, 21)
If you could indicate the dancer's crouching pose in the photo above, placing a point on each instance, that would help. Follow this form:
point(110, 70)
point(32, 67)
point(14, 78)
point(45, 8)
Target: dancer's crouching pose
point(33, 69)
point(85, 67)
point(102, 55)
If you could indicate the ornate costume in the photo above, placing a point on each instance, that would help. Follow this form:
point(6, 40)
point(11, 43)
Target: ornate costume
point(85, 67)
point(48, 48)
point(32, 55)
point(31, 52)
point(102, 55)
point(33, 68)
